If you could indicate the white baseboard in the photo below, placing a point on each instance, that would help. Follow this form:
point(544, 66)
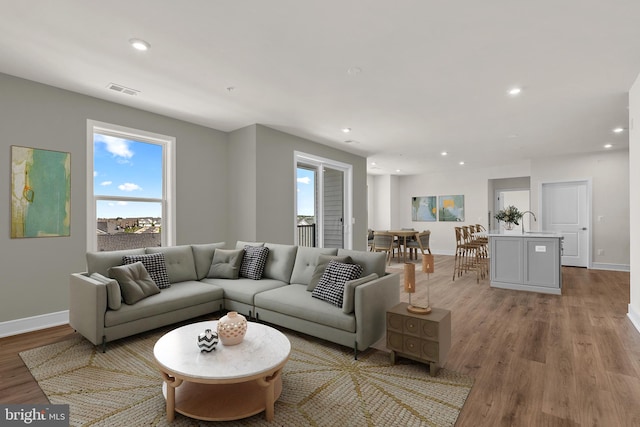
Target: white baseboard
point(634, 316)
point(28, 324)
point(613, 267)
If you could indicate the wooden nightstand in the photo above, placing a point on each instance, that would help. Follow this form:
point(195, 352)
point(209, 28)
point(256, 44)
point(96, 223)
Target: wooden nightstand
point(424, 338)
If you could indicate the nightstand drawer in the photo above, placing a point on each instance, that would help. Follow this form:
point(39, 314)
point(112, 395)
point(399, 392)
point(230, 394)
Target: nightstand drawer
point(395, 341)
point(430, 350)
point(412, 346)
point(429, 330)
point(395, 322)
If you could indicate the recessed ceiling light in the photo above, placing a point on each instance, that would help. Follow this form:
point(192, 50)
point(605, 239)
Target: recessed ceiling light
point(515, 91)
point(397, 170)
point(618, 130)
point(354, 71)
point(461, 163)
point(608, 145)
point(373, 163)
point(444, 153)
point(139, 44)
point(346, 130)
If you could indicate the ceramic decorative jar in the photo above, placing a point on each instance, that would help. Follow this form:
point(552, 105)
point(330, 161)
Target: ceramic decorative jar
point(207, 340)
point(231, 328)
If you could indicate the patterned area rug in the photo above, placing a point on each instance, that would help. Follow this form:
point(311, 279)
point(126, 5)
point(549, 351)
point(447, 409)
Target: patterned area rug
point(322, 386)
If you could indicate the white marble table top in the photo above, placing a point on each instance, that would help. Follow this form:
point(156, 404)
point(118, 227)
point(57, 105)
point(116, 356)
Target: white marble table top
point(262, 349)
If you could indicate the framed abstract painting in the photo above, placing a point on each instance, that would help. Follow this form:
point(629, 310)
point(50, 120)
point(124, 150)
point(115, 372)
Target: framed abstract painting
point(451, 208)
point(40, 192)
point(424, 208)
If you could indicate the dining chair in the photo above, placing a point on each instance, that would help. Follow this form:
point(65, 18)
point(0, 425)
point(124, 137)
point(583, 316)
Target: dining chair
point(383, 242)
point(421, 241)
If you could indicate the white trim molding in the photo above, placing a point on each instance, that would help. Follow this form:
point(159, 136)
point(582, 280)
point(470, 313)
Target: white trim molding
point(612, 267)
point(634, 316)
point(35, 323)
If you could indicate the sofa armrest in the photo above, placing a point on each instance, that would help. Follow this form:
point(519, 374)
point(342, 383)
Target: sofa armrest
point(87, 306)
point(372, 300)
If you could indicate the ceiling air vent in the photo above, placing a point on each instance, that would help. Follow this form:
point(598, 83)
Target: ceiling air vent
point(122, 89)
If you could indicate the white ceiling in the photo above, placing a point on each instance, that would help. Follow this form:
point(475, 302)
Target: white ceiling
point(434, 74)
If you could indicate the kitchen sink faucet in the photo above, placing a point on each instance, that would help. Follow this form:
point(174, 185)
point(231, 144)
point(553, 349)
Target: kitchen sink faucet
point(534, 218)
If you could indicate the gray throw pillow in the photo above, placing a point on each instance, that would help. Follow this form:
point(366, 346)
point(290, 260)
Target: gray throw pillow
point(321, 265)
point(226, 264)
point(155, 266)
point(135, 282)
point(330, 288)
point(114, 295)
point(349, 295)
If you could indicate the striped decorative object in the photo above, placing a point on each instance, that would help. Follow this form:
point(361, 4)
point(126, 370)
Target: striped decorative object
point(207, 340)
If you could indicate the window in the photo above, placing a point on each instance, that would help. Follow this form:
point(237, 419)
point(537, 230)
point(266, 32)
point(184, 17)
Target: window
point(130, 188)
point(323, 202)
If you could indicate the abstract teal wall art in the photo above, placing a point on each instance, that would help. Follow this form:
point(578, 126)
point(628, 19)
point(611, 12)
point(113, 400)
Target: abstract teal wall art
point(423, 208)
point(451, 208)
point(40, 192)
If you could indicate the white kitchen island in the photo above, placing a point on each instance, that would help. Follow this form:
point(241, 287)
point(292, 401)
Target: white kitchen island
point(529, 261)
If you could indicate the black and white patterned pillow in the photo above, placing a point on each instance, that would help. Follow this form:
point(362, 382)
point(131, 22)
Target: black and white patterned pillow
point(330, 288)
point(253, 262)
point(155, 265)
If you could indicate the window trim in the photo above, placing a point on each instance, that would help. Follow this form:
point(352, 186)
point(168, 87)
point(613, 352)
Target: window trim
point(168, 235)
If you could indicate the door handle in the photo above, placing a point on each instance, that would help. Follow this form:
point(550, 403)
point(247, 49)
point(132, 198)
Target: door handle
point(583, 228)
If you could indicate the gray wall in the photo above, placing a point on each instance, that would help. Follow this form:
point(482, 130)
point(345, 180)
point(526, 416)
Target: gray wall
point(229, 186)
point(35, 272)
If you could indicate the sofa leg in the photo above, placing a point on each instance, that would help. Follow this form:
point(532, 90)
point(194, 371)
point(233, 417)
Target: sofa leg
point(355, 350)
point(104, 344)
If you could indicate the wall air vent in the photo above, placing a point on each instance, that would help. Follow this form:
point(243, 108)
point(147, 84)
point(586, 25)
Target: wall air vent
point(122, 89)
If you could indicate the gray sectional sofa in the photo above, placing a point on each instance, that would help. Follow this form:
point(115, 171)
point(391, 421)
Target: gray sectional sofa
point(281, 297)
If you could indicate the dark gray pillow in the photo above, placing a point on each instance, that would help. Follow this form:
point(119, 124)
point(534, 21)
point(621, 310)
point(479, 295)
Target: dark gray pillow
point(226, 264)
point(253, 261)
point(135, 282)
point(330, 288)
point(321, 265)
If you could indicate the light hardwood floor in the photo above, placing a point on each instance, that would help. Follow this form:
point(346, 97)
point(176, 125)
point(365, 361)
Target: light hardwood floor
point(537, 360)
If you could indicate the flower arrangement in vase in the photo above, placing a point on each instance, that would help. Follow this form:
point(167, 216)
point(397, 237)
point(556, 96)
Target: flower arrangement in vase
point(509, 216)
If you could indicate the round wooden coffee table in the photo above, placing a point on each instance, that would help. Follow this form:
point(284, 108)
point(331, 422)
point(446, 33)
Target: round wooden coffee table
point(229, 383)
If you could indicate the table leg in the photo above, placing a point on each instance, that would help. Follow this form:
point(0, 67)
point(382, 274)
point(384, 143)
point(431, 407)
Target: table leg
point(269, 394)
point(172, 383)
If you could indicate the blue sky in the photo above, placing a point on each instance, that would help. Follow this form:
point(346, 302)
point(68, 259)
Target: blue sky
point(306, 191)
point(126, 168)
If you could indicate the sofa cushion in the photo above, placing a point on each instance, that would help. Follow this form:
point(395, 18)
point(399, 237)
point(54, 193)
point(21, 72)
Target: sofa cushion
point(203, 256)
point(321, 266)
point(114, 295)
point(180, 296)
point(295, 301)
point(330, 288)
point(253, 262)
point(135, 282)
point(180, 263)
point(280, 261)
point(226, 264)
point(306, 261)
point(244, 290)
point(349, 295)
point(241, 244)
point(371, 262)
point(155, 266)
point(100, 262)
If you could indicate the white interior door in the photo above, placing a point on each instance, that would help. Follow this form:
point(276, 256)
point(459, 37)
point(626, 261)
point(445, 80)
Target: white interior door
point(565, 210)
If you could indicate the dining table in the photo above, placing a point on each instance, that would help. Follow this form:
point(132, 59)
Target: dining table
point(403, 235)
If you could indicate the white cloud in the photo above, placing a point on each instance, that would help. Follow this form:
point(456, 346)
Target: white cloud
point(304, 180)
point(128, 186)
point(117, 146)
point(122, 203)
point(95, 173)
point(105, 183)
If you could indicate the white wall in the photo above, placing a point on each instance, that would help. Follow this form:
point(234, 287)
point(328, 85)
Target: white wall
point(608, 172)
point(634, 201)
